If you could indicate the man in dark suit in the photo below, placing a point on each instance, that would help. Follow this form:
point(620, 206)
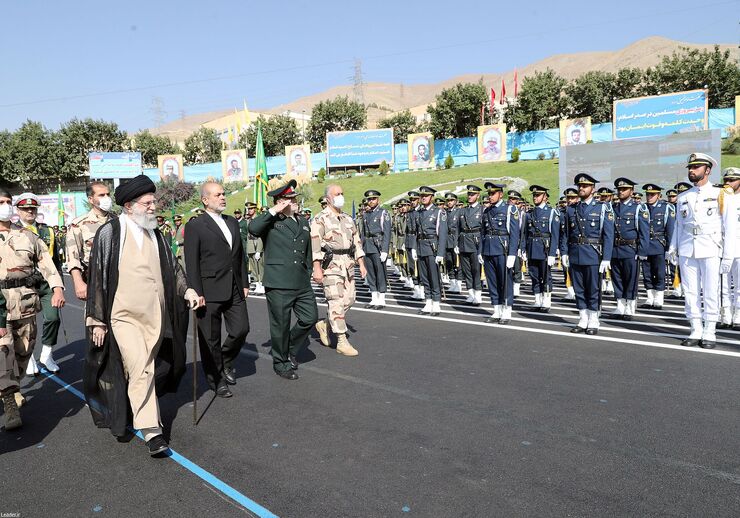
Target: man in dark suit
point(287, 277)
point(217, 271)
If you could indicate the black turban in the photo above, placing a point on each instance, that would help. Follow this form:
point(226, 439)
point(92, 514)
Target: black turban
point(137, 186)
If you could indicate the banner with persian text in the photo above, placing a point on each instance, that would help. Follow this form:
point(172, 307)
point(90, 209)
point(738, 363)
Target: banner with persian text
point(359, 148)
point(659, 115)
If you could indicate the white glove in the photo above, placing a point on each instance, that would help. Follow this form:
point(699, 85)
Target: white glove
point(673, 256)
point(480, 259)
point(383, 256)
point(604, 266)
point(524, 256)
point(510, 260)
point(414, 255)
point(550, 260)
point(641, 257)
point(439, 259)
point(257, 256)
point(192, 297)
point(725, 266)
point(565, 260)
point(456, 250)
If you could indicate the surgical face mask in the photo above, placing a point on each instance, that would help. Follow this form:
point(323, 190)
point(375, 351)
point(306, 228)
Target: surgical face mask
point(338, 201)
point(6, 210)
point(105, 204)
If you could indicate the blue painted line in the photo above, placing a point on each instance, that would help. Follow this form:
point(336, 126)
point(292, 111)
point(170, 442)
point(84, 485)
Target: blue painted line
point(186, 463)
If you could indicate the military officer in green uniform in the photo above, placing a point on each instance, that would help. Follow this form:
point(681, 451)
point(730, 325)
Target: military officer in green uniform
point(28, 205)
point(287, 277)
point(253, 248)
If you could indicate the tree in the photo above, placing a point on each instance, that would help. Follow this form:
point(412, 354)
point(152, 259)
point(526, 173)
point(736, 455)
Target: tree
point(591, 94)
point(691, 69)
point(77, 138)
point(203, 147)
point(541, 103)
point(629, 83)
point(403, 123)
point(339, 114)
point(30, 156)
point(456, 112)
point(277, 132)
point(152, 145)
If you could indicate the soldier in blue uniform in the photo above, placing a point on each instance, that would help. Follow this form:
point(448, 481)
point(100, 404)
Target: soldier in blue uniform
point(499, 244)
point(662, 223)
point(376, 241)
point(412, 223)
point(431, 240)
point(515, 198)
point(606, 195)
point(452, 263)
point(467, 245)
point(542, 237)
point(631, 241)
point(586, 247)
point(571, 198)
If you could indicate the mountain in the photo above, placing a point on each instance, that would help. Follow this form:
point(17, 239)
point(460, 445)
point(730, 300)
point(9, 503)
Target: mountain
point(386, 98)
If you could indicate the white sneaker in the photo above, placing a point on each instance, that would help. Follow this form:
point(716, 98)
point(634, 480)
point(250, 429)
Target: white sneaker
point(630, 308)
point(593, 319)
point(417, 293)
point(547, 300)
point(658, 301)
point(427, 307)
point(537, 300)
point(650, 301)
point(582, 318)
point(381, 300)
point(497, 310)
point(506, 314)
point(435, 308)
point(47, 360)
point(471, 296)
point(478, 297)
point(32, 369)
point(621, 307)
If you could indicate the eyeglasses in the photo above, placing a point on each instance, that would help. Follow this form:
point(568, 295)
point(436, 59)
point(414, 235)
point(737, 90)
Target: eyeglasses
point(147, 204)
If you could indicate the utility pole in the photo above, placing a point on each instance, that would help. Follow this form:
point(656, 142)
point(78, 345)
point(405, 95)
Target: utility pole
point(358, 83)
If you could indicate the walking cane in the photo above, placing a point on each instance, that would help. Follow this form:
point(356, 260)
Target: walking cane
point(195, 370)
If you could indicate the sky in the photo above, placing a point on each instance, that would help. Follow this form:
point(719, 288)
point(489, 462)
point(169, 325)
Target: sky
point(110, 60)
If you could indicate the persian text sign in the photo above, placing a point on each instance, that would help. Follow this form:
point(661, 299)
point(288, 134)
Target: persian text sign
point(114, 165)
point(355, 148)
point(659, 115)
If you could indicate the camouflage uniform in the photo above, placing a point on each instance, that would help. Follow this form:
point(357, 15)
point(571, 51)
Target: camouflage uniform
point(252, 245)
point(23, 256)
point(80, 236)
point(337, 232)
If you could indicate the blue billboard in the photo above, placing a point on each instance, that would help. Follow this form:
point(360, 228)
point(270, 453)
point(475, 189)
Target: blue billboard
point(110, 165)
point(357, 148)
point(660, 115)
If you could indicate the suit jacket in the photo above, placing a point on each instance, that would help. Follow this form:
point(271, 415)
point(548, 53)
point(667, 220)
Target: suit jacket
point(287, 254)
point(211, 266)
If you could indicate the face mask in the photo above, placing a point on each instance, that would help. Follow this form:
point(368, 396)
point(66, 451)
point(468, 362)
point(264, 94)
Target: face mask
point(339, 201)
point(105, 204)
point(5, 212)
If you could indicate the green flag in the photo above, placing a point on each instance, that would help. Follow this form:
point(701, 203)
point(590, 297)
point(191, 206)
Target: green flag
point(60, 206)
point(260, 179)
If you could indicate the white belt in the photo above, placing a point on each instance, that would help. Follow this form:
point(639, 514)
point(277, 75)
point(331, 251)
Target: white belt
point(695, 230)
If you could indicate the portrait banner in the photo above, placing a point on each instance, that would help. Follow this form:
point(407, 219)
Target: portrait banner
point(574, 132)
point(421, 150)
point(170, 167)
point(298, 160)
point(234, 165)
point(492, 143)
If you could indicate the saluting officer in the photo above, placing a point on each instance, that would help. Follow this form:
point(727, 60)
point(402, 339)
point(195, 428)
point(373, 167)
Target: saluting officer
point(586, 247)
point(452, 263)
point(631, 240)
point(376, 241)
point(412, 224)
point(542, 237)
point(468, 242)
point(699, 244)
point(499, 243)
point(662, 223)
point(431, 240)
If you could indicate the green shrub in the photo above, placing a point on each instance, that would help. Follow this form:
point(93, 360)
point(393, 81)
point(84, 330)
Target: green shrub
point(449, 162)
point(321, 175)
point(515, 154)
point(383, 168)
point(541, 156)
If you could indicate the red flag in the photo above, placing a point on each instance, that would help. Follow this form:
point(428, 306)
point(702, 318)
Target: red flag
point(503, 91)
point(516, 84)
point(493, 100)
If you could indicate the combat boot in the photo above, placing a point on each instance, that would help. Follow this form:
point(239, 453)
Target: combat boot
point(344, 347)
point(322, 329)
point(12, 414)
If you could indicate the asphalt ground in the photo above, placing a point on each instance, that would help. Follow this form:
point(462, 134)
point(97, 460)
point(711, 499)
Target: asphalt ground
point(444, 416)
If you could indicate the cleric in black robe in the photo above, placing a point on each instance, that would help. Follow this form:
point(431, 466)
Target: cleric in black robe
point(104, 379)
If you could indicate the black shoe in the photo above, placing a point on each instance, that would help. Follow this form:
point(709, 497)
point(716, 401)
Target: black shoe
point(722, 325)
point(577, 330)
point(369, 306)
point(288, 375)
point(223, 390)
point(504, 321)
point(657, 307)
point(707, 344)
point(627, 318)
point(157, 445)
point(293, 362)
point(736, 327)
point(544, 310)
point(592, 331)
point(230, 376)
point(645, 305)
point(690, 342)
